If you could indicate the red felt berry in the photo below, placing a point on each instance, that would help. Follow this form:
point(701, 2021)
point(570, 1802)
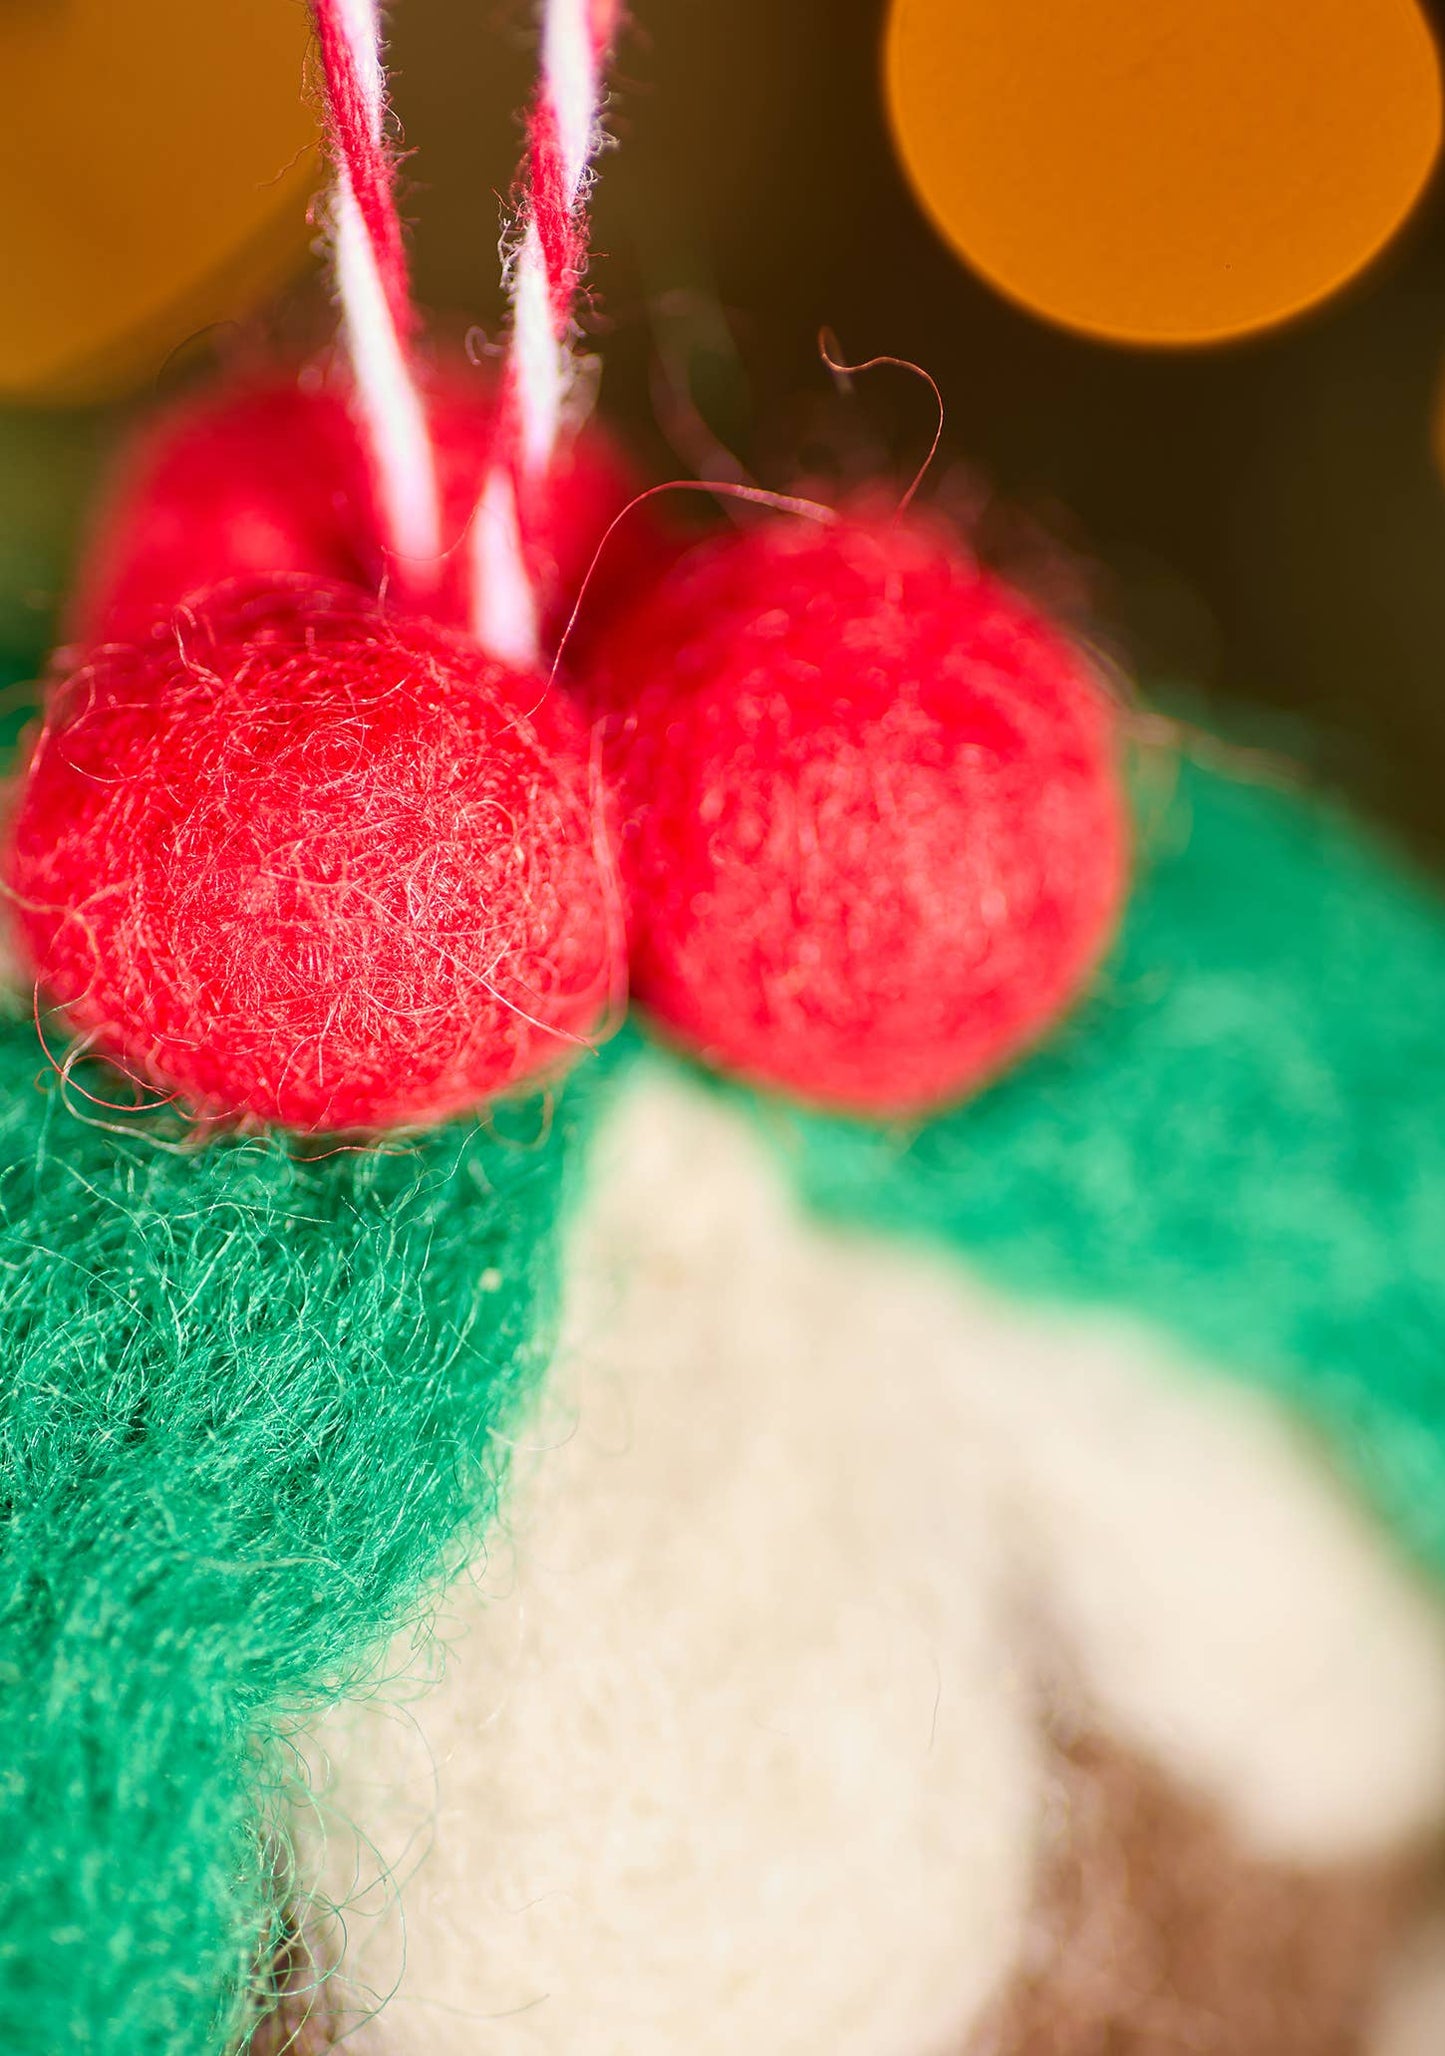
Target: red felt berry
point(267, 477)
point(304, 863)
point(874, 834)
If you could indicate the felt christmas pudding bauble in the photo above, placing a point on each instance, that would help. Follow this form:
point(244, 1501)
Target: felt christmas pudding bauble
point(891, 1504)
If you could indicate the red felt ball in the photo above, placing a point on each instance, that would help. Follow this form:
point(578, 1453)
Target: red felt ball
point(874, 834)
point(302, 863)
point(266, 477)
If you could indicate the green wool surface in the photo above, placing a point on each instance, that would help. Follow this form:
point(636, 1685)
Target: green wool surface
point(249, 1411)
point(1241, 1137)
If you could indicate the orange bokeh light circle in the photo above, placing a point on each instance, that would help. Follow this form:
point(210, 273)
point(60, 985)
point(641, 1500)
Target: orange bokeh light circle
point(1165, 171)
point(159, 159)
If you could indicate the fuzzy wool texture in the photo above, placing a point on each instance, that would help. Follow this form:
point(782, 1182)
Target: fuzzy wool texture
point(1156, 1934)
point(1240, 1137)
point(1230, 1612)
point(735, 1734)
point(302, 862)
point(874, 831)
point(726, 1745)
point(269, 474)
point(253, 1404)
point(248, 1398)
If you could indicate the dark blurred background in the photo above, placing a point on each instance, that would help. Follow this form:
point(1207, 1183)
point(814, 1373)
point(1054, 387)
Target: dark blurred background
point(1262, 524)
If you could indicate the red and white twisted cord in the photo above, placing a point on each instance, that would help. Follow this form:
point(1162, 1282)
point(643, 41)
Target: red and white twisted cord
point(546, 267)
point(378, 318)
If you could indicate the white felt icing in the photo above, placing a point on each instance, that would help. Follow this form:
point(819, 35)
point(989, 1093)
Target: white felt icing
point(1234, 1613)
point(735, 1748)
point(732, 1756)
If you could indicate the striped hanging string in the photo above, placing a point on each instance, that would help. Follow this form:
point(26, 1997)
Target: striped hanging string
point(548, 258)
point(378, 318)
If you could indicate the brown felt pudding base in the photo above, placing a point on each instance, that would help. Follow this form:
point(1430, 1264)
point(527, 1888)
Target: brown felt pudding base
point(1156, 1934)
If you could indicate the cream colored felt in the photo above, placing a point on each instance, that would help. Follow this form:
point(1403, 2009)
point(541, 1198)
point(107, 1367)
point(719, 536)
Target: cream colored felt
point(735, 1747)
point(1234, 1614)
point(732, 1753)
